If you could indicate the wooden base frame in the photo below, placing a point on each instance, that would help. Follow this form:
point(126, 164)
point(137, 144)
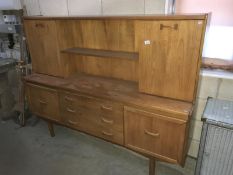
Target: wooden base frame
point(152, 161)
point(152, 166)
point(51, 129)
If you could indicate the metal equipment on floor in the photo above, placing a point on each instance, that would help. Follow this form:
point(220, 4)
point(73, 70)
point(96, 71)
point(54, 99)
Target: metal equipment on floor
point(216, 148)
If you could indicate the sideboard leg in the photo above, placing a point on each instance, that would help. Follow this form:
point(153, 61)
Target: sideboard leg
point(51, 130)
point(152, 166)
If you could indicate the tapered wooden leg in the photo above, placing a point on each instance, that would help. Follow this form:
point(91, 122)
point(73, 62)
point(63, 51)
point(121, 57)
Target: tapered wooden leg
point(51, 130)
point(152, 166)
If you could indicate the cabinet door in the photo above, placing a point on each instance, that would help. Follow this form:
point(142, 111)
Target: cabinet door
point(43, 102)
point(156, 135)
point(169, 57)
point(43, 46)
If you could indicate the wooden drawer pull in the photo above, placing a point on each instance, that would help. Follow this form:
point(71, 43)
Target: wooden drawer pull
point(151, 133)
point(106, 108)
point(106, 133)
point(70, 110)
point(42, 102)
point(72, 123)
point(107, 121)
point(175, 26)
point(69, 99)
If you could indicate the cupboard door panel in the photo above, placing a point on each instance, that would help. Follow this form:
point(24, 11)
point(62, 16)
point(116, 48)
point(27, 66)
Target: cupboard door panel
point(44, 102)
point(43, 46)
point(156, 135)
point(169, 57)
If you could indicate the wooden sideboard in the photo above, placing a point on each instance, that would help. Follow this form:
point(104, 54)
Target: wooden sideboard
point(128, 80)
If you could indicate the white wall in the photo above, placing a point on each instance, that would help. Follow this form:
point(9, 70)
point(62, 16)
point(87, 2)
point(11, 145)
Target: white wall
point(93, 7)
point(219, 40)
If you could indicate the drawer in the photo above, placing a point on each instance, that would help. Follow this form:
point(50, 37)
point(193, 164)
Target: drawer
point(94, 116)
point(93, 124)
point(156, 135)
point(91, 103)
point(111, 134)
point(43, 101)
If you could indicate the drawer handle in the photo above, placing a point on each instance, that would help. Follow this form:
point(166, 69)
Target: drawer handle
point(151, 133)
point(107, 133)
point(70, 110)
point(107, 121)
point(69, 99)
point(175, 26)
point(72, 123)
point(42, 102)
point(106, 108)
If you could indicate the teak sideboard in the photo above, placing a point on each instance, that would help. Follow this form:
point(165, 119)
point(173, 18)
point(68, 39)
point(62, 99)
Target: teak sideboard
point(128, 80)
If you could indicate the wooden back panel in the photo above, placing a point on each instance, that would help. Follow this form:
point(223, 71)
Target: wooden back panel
point(115, 35)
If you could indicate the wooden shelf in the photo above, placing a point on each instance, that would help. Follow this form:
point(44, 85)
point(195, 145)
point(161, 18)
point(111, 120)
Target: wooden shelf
point(101, 53)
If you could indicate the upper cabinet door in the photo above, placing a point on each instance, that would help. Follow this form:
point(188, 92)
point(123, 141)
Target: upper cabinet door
point(169, 57)
point(43, 46)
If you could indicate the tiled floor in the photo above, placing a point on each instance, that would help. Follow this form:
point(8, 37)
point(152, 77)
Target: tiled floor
point(31, 151)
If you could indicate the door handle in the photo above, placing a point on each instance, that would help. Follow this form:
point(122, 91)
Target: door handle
point(151, 133)
point(174, 27)
point(39, 25)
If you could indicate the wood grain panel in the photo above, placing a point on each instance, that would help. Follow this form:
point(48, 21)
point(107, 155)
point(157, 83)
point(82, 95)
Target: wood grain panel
point(44, 102)
point(153, 134)
point(113, 35)
point(43, 46)
point(114, 68)
point(168, 65)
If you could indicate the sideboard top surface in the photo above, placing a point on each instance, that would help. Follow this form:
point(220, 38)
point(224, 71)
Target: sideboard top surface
point(198, 16)
point(113, 89)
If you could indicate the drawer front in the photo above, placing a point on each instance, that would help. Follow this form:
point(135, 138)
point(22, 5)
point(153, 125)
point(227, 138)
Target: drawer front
point(156, 135)
point(97, 117)
point(43, 101)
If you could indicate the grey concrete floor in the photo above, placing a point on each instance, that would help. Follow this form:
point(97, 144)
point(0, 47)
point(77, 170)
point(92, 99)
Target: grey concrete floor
point(31, 151)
